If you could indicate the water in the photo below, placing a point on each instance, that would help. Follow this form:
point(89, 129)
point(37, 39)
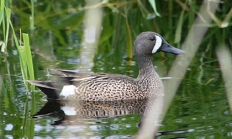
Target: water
point(199, 110)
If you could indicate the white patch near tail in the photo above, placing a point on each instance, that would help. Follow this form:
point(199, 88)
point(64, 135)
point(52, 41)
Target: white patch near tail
point(69, 110)
point(68, 90)
point(158, 43)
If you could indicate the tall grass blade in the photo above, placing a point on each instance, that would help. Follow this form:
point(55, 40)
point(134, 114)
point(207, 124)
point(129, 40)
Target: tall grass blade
point(153, 5)
point(224, 58)
point(227, 20)
point(28, 73)
point(32, 26)
point(25, 57)
point(129, 39)
point(8, 21)
point(179, 28)
point(2, 7)
point(2, 4)
point(30, 70)
point(29, 62)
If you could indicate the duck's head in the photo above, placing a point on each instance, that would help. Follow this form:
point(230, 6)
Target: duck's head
point(148, 43)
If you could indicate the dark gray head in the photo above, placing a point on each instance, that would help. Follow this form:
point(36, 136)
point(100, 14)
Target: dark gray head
point(148, 43)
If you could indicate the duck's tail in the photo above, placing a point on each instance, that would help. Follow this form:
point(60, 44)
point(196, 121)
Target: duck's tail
point(47, 87)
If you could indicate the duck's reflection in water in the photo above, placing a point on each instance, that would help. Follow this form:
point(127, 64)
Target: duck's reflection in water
point(74, 112)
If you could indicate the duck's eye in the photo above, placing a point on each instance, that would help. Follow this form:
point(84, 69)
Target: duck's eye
point(152, 38)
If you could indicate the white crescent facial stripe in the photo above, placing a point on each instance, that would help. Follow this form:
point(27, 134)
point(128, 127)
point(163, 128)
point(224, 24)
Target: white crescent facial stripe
point(158, 43)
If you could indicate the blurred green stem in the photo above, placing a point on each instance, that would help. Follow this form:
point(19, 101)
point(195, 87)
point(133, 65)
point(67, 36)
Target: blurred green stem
point(32, 26)
point(224, 58)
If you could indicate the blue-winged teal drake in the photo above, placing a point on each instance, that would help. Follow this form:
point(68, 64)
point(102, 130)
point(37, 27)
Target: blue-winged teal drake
point(111, 87)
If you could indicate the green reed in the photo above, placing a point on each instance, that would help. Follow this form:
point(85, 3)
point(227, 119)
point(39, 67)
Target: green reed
point(27, 69)
point(32, 24)
point(26, 63)
point(224, 58)
point(5, 14)
point(24, 50)
point(25, 58)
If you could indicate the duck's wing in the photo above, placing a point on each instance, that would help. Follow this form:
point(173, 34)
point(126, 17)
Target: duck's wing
point(75, 76)
point(70, 75)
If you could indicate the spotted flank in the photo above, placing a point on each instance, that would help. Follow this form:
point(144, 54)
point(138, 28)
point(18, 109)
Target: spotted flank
point(72, 85)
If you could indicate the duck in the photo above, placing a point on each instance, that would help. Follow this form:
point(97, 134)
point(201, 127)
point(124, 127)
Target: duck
point(114, 87)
